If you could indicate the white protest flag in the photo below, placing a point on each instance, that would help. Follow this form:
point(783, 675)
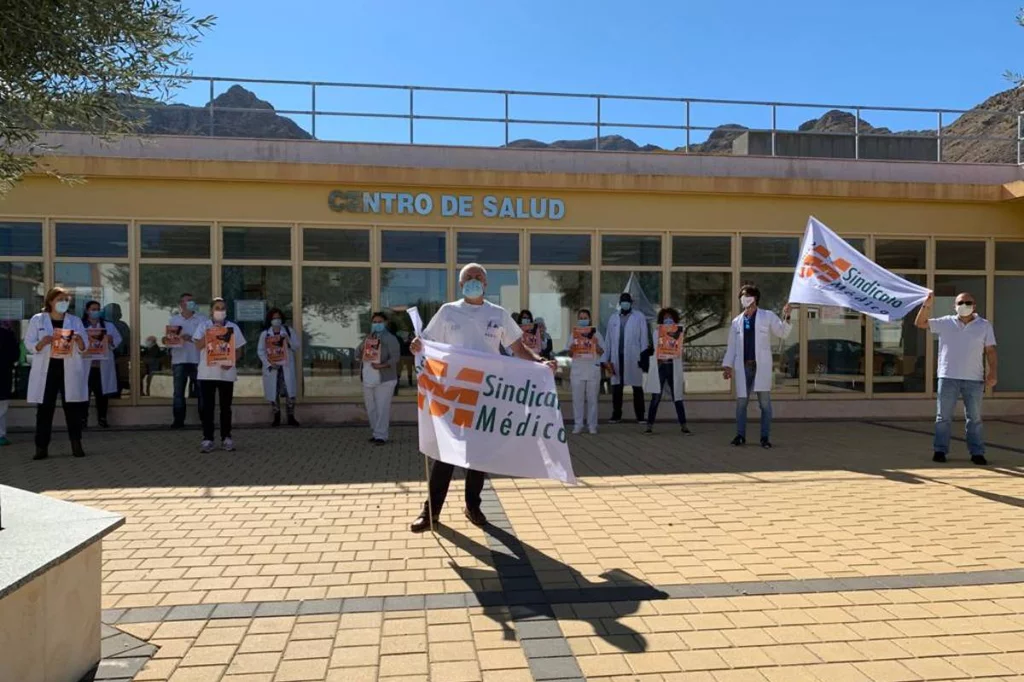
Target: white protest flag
point(489, 412)
point(831, 272)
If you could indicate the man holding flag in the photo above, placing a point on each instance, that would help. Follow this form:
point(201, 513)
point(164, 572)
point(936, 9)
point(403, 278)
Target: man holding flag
point(474, 324)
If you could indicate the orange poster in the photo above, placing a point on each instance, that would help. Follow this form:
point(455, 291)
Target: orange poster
point(531, 337)
point(371, 350)
point(584, 343)
point(670, 341)
point(220, 346)
point(277, 351)
point(172, 335)
point(96, 343)
point(60, 347)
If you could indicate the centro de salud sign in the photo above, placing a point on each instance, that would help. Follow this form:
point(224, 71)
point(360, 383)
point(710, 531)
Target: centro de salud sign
point(448, 205)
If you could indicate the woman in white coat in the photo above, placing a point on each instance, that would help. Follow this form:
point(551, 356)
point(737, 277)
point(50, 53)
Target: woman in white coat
point(666, 375)
point(279, 368)
point(48, 377)
point(101, 374)
point(585, 376)
point(379, 354)
point(748, 358)
point(627, 339)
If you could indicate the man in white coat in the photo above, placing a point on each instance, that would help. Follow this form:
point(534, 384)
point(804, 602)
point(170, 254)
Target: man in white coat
point(627, 339)
point(748, 358)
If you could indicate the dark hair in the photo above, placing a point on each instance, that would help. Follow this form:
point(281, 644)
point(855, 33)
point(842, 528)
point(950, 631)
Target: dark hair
point(91, 303)
point(583, 310)
point(750, 289)
point(668, 312)
point(217, 300)
point(184, 295)
point(271, 313)
point(526, 313)
point(381, 314)
point(52, 294)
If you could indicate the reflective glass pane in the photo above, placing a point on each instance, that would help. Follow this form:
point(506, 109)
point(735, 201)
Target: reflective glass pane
point(488, 248)
point(704, 300)
point(21, 239)
point(21, 297)
point(557, 295)
point(1009, 321)
point(502, 288)
point(836, 353)
point(107, 284)
point(412, 247)
point(258, 243)
point(160, 290)
point(174, 241)
point(702, 251)
point(774, 288)
point(630, 250)
point(614, 283)
point(1009, 255)
point(336, 244)
point(250, 291)
point(92, 240)
point(901, 254)
point(560, 249)
point(959, 255)
point(401, 289)
point(770, 251)
point(899, 352)
point(335, 320)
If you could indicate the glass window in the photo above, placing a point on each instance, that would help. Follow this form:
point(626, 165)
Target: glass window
point(109, 285)
point(1009, 320)
point(901, 254)
point(560, 249)
point(780, 252)
point(556, 295)
point(614, 283)
point(774, 288)
point(836, 354)
point(174, 241)
point(413, 247)
point(948, 286)
point(630, 250)
point(160, 290)
point(92, 240)
point(21, 297)
point(705, 303)
point(959, 255)
point(899, 352)
point(250, 291)
point(335, 320)
point(336, 244)
point(488, 248)
point(702, 251)
point(1009, 255)
point(401, 289)
point(257, 243)
point(21, 239)
point(502, 288)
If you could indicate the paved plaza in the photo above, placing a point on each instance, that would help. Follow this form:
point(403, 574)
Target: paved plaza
point(842, 554)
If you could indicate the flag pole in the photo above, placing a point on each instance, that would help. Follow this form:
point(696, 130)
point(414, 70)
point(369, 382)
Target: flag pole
point(430, 504)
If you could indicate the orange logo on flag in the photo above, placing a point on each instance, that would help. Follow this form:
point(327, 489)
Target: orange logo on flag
point(452, 397)
point(818, 263)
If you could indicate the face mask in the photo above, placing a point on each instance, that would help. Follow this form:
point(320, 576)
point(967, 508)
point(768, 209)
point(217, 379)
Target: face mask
point(94, 314)
point(474, 288)
point(377, 327)
point(150, 343)
point(526, 320)
point(276, 322)
point(669, 320)
point(625, 306)
point(964, 310)
point(746, 301)
point(191, 306)
point(583, 322)
point(220, 315)
point(62, 306)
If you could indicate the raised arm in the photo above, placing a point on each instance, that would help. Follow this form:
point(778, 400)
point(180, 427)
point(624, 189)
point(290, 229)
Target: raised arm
point(924, 312)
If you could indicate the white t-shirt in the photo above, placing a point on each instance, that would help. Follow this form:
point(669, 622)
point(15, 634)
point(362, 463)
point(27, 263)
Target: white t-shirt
point(962, 346)
point(217, 372)
point(477, 327)
point(186, 352)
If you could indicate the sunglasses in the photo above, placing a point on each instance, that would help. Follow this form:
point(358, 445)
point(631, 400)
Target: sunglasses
point(965, 302)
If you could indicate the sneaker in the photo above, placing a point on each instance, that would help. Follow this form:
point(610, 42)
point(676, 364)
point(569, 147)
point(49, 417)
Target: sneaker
point(939, 457)
point(766, 444)
point(41, 453)
point(379, 441)
point(614, 421)
point(206, 446)
point(739, 440)
point(577, 432)
point(685, 429)
point(227, 444)
point(649, 429)
point(979, 460)
point(103, 423)
point(593, 432)
point(4, 442)
point(177, 425)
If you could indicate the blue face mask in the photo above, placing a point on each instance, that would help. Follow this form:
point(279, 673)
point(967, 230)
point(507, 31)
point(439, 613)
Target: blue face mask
point(583, 322)
point(377, 327)
point(474, 288)
point(276, 322)
point(62, 306)
point(625, 306)
point(191, 306)
point(669, 320)
point(94, 314)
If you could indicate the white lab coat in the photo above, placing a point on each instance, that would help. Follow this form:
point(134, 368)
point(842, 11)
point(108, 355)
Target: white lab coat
point(652, 383)
point(767, 324)
point(75, 374)
point(108, 369)
point(635, 331)
point(288, 368)
point(587, 370)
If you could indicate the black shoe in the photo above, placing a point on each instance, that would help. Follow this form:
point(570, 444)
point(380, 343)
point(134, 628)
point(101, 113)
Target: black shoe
point(766, 444)
point(614, 421)
point(379, 441)
point(475, 516)
point(979, 460)
point(103, 423)
point(685, 429)
point(422, 523)
point(276, 421)
point(939, 457)
point(177, 425)
point(292, 421)
point(76, 449)
point(739, 440)
point(649, 429)
point(41, 453)
point(85, 424)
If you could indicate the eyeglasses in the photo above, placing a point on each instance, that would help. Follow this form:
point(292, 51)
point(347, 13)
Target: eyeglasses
point(965, 302)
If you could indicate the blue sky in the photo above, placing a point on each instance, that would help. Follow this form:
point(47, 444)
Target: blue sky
point(915, 53)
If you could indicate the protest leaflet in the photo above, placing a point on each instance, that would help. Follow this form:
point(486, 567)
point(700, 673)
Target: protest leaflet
point(531, 337)
point(60, 347)
point(172, 336)
point(277, 351)
point(584, 343)
point(670, 341)
point(96, 343)
point(220, 346)
point(371, 350)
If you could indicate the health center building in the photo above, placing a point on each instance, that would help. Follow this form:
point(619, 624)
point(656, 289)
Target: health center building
point(330, 232)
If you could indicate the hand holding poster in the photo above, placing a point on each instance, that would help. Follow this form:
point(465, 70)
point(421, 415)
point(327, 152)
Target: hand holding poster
point(277, 351)
point(584, 343)
point(371, 350)
point(831, 272)
point(220, 346)
point(172, 336)
point(670, 341)
point(96, 343)
point(531, 337)
point(60, 346)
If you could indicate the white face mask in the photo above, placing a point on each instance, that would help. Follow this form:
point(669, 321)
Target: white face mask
point(220, 315)
point(746, 301)
point(964, 310)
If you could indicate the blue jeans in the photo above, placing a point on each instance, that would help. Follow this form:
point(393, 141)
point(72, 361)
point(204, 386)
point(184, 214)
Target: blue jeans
point(971, 393)
point(184, 374)
point(764, 401)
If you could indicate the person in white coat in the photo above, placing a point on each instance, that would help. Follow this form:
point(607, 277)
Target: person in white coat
point(50, 377)
point(628, 338)
point(585, 376)
point(217, 376)
point(666, 376)
point(379, 372)
point(748, 358)
point(101, 374)
point(279, 370)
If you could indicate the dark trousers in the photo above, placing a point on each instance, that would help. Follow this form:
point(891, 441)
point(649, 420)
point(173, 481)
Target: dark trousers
point(638, 402)
point(441, 478)
point(45, 410)
point(212, 391)
point(96, 389)
point(666, 374)
point(184, 375)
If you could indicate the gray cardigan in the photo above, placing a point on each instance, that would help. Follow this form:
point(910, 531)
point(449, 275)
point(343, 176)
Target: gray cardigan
point(390, 354)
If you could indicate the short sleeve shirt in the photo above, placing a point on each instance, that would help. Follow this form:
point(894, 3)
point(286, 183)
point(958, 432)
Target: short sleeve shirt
point(962, 346)
point(217, 372)
point(186, 353)
point(483, 328)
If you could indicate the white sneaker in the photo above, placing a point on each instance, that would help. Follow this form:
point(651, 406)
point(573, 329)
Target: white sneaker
point(206, 446)
point(228, 444)
point(577, 432)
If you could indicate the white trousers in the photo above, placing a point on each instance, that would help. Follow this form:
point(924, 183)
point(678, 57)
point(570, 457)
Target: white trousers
point(584, 403)
point(3, 417)
point(378, 407)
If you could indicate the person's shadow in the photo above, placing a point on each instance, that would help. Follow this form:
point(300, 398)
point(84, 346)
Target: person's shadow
point(620, 593)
